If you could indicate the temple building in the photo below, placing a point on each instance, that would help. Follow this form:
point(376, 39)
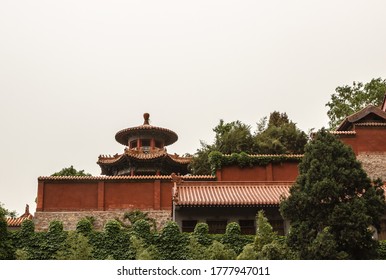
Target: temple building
point(147, 178)
point(145, 153)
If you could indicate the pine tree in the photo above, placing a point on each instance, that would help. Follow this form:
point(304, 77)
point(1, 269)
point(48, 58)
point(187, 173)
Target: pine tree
point(333, 197)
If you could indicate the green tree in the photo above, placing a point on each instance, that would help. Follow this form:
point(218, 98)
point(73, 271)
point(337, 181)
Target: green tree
point(4, 212)
point(6, 248)
point(71, 171)
point(264, 233)
point(279, 136)
point(233, 137)
point(349, 99)
point(332, 191)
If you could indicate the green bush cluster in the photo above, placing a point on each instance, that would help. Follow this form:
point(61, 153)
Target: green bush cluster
point(141, 242)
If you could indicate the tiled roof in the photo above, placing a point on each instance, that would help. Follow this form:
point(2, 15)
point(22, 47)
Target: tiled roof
point(16, 222)
point(271, 155)
point(350, 132)
point(371, 124)
point(103, 159)
point(140, 177)
point(357, 116)
point(123, 135)
point(231, 193)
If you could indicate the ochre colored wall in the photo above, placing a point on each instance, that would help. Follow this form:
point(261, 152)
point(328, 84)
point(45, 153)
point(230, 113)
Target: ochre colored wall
point(70, 196)
point(285, 171)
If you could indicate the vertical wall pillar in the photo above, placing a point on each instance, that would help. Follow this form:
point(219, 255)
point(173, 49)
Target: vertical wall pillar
point(157, 195)
point(101, 195)
point(218, 174)
point(40, 198)
point(269, 172)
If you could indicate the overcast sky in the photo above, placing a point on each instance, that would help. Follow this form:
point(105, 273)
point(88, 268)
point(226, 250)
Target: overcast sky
point(73, 73)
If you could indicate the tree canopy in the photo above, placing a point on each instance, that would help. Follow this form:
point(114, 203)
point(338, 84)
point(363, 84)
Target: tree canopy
point(71, 171)
point(349, 99)
point(278, 135)
point(332, 203)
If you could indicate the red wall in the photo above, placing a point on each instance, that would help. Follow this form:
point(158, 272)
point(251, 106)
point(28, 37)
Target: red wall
point(69, 196)
point(367, 139)
point(72, 195)
point(370, 139)
point(126, 195)
point(285, 171)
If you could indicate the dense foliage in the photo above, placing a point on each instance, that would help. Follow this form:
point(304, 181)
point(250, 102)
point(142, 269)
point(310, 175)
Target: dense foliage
point(142, 243)
point(71, 171)
point(349, 99)
point(278, 135)
point(333, 203)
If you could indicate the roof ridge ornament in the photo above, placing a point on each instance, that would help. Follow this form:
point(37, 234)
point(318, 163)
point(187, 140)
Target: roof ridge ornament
point(146, 117)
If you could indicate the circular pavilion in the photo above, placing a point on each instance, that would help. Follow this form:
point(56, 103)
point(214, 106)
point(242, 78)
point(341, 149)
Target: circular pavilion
point(145, 152)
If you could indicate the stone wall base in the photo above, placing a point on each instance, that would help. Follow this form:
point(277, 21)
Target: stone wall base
point(70, 219)
point(374, 164)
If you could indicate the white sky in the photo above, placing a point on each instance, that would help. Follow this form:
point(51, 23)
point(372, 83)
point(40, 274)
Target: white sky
point(73, 73)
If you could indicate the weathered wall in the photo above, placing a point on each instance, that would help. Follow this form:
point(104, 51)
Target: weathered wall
point(70, 219)
point(284, 171)
point(374, 164)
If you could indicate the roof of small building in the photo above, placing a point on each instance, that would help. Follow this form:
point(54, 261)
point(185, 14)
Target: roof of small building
point(231, 193)
point(16, 222)
point(167, 135)
point(361, 116)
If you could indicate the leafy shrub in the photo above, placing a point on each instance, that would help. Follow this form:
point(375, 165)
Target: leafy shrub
point(171, 244)
point(201, 233)
point(218, 251)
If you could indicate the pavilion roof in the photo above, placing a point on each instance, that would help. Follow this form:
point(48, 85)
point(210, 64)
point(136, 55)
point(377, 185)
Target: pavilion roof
point(167, 135)
point(133, 154)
